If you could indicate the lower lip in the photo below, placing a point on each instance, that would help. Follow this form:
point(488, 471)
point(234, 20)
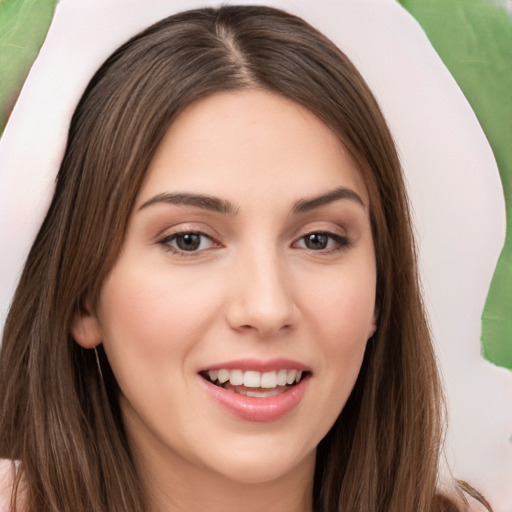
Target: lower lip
point(263, 409)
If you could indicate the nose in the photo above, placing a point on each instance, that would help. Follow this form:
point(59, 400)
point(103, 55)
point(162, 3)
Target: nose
point(262, 298)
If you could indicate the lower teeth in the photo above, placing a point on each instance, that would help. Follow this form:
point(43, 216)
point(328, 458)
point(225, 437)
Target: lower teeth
point(255, 392)
point(260, 394)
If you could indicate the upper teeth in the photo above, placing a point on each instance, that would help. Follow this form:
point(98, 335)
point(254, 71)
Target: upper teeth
point(254, 379)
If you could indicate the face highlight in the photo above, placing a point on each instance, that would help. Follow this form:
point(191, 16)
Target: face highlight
point(236, 317)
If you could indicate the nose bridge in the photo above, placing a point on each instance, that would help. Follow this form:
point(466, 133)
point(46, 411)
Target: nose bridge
point(262, 299)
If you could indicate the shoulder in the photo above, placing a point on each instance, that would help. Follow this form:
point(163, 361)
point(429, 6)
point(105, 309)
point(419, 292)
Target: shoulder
point(461, 497)
point(468, 499)
point(476, 502)
point(7, 476)
point(474, 505)
point(6, 480)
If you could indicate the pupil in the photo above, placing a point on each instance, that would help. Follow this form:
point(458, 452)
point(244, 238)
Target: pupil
point(188, 242)
point(316, 241)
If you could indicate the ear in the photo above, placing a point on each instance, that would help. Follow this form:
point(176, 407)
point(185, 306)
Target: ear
point(373, 325)
point(86, 329)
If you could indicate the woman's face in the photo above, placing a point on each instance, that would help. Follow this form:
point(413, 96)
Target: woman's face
point(248, 257)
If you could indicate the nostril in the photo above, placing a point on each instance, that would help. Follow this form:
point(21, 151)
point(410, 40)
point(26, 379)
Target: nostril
point(261, 307)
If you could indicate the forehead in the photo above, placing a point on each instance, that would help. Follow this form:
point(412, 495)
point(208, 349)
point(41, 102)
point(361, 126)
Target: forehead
point(235, 143)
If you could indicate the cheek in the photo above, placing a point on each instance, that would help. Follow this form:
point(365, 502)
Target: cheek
point(344, 328)
point(147, 313)
point(341, 318)
point(342, 307)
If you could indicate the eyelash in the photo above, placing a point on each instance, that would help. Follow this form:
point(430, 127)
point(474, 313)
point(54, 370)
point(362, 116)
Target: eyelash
point(168, 239)
point(343, 243)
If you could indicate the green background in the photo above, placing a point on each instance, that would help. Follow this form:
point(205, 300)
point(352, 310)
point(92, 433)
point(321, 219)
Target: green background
point(474, 40)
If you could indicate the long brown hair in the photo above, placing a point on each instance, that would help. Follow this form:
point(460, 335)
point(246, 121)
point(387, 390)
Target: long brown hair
point(60, 413)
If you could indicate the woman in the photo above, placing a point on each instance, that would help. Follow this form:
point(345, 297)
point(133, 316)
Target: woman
point(226, 270)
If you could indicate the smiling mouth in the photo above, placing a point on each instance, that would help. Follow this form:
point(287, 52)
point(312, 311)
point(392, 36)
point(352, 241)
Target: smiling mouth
point(253, 383)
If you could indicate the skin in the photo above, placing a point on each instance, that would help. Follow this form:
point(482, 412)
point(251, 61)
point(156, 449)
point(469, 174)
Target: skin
point(254, 288)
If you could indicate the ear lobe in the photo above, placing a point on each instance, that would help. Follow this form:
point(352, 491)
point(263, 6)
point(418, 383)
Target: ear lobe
point(86, 330)
point(373, 326)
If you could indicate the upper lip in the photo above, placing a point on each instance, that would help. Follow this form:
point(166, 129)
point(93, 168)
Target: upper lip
point(258, 365)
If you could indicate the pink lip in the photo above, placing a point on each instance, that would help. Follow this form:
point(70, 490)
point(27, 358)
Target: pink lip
point(259, 365)
point(249, 408)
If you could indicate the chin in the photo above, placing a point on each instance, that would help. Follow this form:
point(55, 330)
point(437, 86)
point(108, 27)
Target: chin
point(263, 468)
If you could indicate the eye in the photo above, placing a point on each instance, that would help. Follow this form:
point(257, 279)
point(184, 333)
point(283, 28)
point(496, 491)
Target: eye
point(187, 242)
point(322, 241)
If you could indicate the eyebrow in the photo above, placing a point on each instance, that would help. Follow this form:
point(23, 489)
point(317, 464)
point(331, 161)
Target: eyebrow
point(225, 207)
point(306, 205)
point(198, 200)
